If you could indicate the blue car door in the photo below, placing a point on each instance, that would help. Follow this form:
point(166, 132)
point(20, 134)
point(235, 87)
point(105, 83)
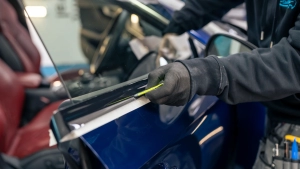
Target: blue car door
point(192, 136)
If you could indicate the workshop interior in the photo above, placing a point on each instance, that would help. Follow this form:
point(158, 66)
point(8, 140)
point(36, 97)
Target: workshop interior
point(73, 71)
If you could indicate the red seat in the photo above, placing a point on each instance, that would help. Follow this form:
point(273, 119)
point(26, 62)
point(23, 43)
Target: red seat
point(33, 137)
point(20, 42)
point(19, 38)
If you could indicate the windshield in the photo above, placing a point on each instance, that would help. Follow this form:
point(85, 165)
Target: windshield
point(99, 44)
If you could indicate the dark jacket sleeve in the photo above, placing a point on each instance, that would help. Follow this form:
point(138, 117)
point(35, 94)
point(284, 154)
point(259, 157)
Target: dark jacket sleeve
point(261, 75)
point(197, 13)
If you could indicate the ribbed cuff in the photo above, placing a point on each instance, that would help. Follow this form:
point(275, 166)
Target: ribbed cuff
point(207, 76)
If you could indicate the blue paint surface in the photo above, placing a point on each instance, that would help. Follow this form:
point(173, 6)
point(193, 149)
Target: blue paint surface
point(135, 138)
point(200, 35)
point(141, 140)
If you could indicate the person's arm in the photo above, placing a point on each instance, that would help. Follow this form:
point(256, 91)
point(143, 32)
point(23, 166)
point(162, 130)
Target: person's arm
point(261, 75)
point(197, 13)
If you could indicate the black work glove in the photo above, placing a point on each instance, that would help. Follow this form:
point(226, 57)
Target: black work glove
point(174, 28)
point(183, 79)
point(176, 88)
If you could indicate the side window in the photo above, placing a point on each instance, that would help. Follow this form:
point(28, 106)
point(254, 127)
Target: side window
point(95, 45)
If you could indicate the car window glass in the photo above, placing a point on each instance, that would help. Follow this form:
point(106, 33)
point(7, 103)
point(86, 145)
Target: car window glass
point(223, 46)
point(99, 45)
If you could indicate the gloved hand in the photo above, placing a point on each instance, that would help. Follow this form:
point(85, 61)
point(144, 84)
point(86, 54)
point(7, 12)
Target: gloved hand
point(183, 79)
point(176, 88)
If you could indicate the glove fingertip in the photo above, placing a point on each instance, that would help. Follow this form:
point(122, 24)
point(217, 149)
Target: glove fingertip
point(149, 96)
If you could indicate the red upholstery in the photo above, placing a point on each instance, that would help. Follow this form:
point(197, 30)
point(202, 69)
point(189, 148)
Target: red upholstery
point(19, 38)
point(15, 141)
point(11, 102)
point(34, 136)
point(2, 130)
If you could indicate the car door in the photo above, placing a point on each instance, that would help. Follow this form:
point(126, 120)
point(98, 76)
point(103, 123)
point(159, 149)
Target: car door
point(145, 135)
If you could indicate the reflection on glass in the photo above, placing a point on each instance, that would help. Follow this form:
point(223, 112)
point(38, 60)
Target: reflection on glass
point(36, 11)
point(223, 46)
point(95, 45)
